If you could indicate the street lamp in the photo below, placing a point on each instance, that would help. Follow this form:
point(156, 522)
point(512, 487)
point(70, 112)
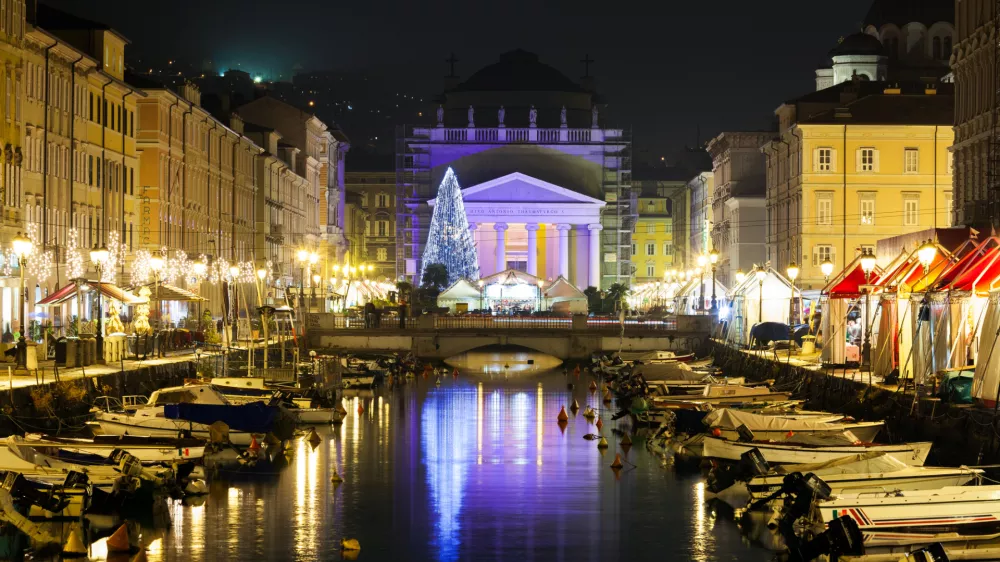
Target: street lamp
point(261, 291)
point(22, 249)
point(99, 256)
point(761, 275)
point(740, 276)
point(540, 283)
point(713, 257)
point(827, 268)
point(793, 274)
point(867, 267)
point(926, 255)
point(702, 260)
point(480, 283)
point(156, 264)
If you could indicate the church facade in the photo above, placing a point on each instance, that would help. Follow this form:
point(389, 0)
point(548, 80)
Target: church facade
point(546, 184)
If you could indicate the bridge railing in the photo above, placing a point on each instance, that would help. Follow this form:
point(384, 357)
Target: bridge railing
point(477, 322)
point(633, 324)
point(502, 323)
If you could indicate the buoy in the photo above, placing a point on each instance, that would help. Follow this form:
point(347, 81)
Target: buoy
point(593, 386)
point(617, 463)
point(118, 541)
point(141, 557)
point(562, 414)
point(437, 382)
point(313, 438)
point(576, 370)
point(336, 479)
point(350, 544)
point(626, 441)
point(254, 445)
point(602, 443)
point(569, 386)
point(562, 426)
point(340, 409)
point(607, 396)
point(575, 406)
point(74, 545)
point(588, 413)
point(455, 373)
point(789, 434)
point(361, 409)
point(599, 424)
point(716, 432)
point(196, 487)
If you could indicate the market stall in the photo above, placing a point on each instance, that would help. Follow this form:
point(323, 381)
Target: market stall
point(847, 315)
point(763, 296)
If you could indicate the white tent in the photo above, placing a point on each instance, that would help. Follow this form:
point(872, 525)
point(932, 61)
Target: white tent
point(987, 378)
point(688, 296)
point(756, 301)
point(563, 296)
point(462, 296)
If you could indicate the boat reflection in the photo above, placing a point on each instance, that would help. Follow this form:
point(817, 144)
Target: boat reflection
point(503, 361)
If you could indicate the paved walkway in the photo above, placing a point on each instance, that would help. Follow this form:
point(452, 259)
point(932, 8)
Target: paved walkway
point(9, 377)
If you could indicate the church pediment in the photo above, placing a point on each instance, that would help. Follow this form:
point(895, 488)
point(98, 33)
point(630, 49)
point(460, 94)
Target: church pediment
point(522, 188)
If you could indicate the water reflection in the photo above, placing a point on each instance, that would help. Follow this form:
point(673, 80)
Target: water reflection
point(502, 361)
point(474, 469)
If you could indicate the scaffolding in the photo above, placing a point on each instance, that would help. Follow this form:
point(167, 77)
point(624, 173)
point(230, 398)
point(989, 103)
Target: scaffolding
point(609, 148)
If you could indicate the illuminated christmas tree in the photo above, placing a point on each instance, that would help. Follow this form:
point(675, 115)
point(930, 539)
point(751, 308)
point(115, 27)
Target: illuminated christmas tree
point(449, 241)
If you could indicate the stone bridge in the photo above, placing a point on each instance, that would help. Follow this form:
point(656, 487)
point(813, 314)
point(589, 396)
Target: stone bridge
point(566, 339)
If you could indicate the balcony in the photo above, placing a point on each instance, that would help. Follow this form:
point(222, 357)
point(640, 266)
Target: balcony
point(516, 135)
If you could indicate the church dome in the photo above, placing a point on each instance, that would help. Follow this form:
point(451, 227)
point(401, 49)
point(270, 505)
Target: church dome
point(858, 44)
point(518, 71)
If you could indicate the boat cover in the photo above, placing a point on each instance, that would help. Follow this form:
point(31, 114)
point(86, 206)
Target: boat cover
point(871, 462)
point(255, 417)
point(726, 418)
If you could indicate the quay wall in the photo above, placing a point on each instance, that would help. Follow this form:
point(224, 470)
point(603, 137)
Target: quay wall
point(63, 407)
point(962, 434)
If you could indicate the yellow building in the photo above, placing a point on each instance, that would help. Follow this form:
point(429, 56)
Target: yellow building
point(12, 29)
point(653, 240)
point(853, 164)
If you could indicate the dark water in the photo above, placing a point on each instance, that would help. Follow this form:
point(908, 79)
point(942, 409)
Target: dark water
point(475, 469)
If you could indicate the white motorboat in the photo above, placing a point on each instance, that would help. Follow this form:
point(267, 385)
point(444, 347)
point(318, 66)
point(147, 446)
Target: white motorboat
point(146, 449)
point(777, 429)
point(855, 474)
point(706, 446)
point(924, 515)
point(150, 419)
point(243, 390)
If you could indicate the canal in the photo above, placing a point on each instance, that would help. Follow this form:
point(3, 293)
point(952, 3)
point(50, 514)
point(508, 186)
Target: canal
point(475, 468)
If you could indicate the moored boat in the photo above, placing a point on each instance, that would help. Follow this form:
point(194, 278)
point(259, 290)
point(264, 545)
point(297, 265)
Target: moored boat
point(146, 449)
point(706, 446)
point(774, 428)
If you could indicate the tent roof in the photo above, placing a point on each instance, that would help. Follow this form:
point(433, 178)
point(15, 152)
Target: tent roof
point(165, 292)
point(847, 283)
point(511, 277)
point(109, 290)
point(563, 289)
point(971, 261)
point(910, 276)
point(461, 289)
point(751, 285)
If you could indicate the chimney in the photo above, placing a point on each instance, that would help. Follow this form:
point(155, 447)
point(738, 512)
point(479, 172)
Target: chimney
point(236, 123)
point(191, 93)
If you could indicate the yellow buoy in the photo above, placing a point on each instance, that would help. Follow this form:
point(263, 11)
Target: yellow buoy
point(607, 396)
point(626, 441)
point(602, 443)
point(562, 414)
point(588, 413)
point(575, 406)
point(336, 479)
point(350, 544)
point(118, 541)
point(313, 438)
point(617, 463)
point(74, 545)
point(593, 386)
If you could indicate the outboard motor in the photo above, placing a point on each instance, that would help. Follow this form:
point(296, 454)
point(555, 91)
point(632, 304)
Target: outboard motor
point(746, 436)
point(751, 464)
point(932, 553)
point(842, 537)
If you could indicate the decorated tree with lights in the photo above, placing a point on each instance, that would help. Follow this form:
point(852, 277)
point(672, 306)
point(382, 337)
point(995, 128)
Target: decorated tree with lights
point(449, 241)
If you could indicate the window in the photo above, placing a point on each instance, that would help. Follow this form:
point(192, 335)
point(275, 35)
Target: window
point(948, 203)
point(98, 174)
point(650, 270)
point(668, 249)
point(911, 210)
point(867, 160)
point(364, 199)
point(90, 170)
point(824, 209)
point(382, 200)
point(650, 248)
point(824, 160)
point(634, 250)
point(910, 161)
point(381, 254)
point(91, 106)
point(947, 48)
point(867, 248)
point(383, 228)
point(650, 207)
point(867, 209)
point(936, 51)
point(823, 253)
point(650, 228)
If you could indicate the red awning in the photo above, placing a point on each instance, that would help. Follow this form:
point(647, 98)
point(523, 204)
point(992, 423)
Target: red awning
point(109, 290)
point(969, 262)
point(980, 275)
point(849, 285)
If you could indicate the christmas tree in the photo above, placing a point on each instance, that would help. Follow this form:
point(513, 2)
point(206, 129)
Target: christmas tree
point(449, 241)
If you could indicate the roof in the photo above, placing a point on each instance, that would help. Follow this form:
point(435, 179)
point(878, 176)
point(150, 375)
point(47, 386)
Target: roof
point(109, 290)
point(165, 292)
point(892, 109)
point(518, 70)
point(48, 17)
point(858, 44)
point(561, 288)
point(511, 277)
point(902, 12)
point(847, 284)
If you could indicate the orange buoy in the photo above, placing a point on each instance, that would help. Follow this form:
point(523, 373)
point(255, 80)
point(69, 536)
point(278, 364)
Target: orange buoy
point(617, 463)
point(599, 423)
point(455, 373)
point(562, 414)
point(361, 409)
point(593, 386)
point(607, 396)
point(716, 432)
point(790, 434)
point(576, 370)
point(626, 441)
point(254, 444)
point(118, 541)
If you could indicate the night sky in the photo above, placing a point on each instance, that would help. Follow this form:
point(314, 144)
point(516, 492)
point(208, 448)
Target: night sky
point(667, 67)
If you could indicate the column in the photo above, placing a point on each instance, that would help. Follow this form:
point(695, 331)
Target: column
point(564, 249)
point(473, 227)
point(501, 263)
point(595, 254)
point(532, 229)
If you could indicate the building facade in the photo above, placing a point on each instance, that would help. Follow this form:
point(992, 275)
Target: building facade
point(701, 190)
point(738, 216)
point(875, 164)
point(653, 242)
point(973, 65)
point(12, 37)
point(376, 193)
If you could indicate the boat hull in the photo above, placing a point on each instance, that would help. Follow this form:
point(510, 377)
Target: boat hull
point(913, 454)
point(865, 432)
point(118, 424)
point(965, 510)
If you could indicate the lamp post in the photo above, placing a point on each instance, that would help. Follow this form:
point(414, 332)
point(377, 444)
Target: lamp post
point(22, 249)
point(99, 256)
point(702, 260)
point(234, 273)
point(302, 256)
point(761, 275)
point(867, 266)
point(793, 274)
point(156, 264)
point(740, 276)
point(540, 283)
point(713, 257)
point(827, 268)
point(480, 283)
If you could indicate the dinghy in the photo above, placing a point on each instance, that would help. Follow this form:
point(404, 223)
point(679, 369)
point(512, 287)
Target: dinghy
point(706, 446)
point(774, 428)
point(147, 449)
